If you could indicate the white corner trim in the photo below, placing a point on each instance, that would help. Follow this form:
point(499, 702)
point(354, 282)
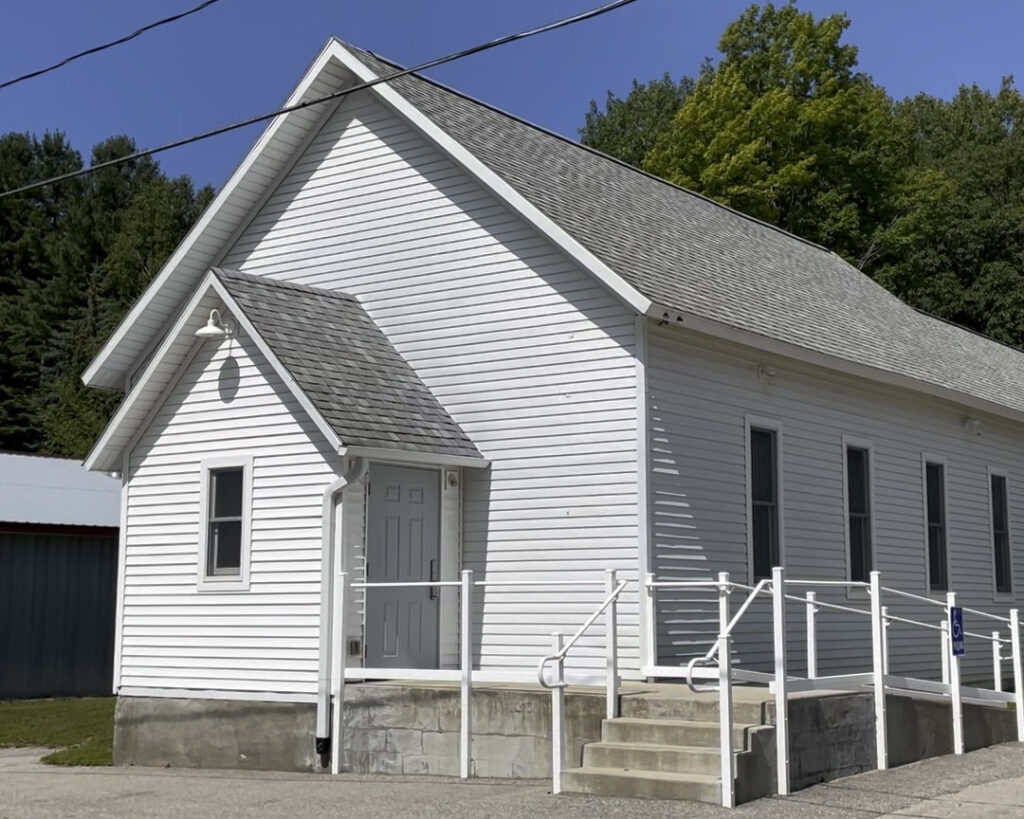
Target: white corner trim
point(122, 553)
point(498, 186)
point(205, 582)
point(89, 377)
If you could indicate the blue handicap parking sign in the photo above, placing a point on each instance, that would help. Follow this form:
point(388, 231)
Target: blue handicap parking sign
point(956, 630)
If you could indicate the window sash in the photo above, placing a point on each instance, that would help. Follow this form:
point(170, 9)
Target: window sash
point(858, 502)
point(224, 527)
point(935, 503)
point(764, 491)
point(1001, 534)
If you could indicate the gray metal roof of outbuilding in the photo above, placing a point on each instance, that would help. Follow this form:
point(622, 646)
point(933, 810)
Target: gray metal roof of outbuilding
point(690, 254)
point(343, 362)
point(56, 491)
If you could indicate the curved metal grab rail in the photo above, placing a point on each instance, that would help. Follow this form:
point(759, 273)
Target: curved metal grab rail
point(572, 640)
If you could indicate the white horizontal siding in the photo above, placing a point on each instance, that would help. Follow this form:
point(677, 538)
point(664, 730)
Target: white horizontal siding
point(261, 640)
point(699, 394)
point(527, 353)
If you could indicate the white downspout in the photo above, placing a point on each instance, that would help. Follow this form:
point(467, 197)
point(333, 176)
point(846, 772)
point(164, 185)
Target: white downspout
point(333, 498)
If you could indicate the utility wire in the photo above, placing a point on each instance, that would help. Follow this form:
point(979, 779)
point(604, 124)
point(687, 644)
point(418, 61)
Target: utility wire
point(522, 35)
point(105, 46)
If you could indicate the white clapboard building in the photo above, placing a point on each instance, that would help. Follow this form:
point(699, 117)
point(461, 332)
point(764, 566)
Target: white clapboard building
point(415, 335)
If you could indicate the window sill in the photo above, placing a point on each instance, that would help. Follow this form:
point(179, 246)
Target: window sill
point(208, 585)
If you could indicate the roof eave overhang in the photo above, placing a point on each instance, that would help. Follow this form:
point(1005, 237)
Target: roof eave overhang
point(122, 432)
point(689, 321)
point(416, 457)
point(103, 372)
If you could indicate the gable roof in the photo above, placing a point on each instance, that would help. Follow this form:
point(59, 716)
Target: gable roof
point(661, 248)
point(370, 396)
point(56, 492)
point(354, 386)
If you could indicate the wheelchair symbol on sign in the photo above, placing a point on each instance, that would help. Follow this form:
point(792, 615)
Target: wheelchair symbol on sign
point(956, 630)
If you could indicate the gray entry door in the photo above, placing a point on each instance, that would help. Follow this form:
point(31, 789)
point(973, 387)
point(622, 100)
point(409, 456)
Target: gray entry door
point(403, 544)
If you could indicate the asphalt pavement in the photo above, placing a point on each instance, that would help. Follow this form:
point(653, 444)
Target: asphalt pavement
point(983, 784)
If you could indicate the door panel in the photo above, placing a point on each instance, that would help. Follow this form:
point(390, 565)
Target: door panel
point(402, 545)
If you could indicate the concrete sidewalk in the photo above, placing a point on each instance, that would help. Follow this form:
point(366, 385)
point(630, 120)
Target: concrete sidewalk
point(982, 784)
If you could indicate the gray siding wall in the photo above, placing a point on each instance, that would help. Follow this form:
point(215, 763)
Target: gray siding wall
point(57, 596)
point(699, 396)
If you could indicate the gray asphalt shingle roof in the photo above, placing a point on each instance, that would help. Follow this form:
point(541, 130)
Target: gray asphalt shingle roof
point(689, 254)
point(346, 366)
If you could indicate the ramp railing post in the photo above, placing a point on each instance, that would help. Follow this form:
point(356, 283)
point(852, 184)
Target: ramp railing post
point(812, 636)
point(944, 637)
point(466, 675)
point(954, 685)
point(342, 593)
point(725, 694)
point(557, 712)
point(878, 672)
point(1018, 674)
point(997, 663)
point(781, 702)
point(612, 648)
point(886, 622)
point(649, 646)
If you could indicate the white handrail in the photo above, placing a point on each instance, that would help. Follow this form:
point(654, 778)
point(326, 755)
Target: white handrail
point(560, 655)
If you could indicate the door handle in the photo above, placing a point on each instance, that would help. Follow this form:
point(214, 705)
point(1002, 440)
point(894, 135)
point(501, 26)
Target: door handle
point(434, 592)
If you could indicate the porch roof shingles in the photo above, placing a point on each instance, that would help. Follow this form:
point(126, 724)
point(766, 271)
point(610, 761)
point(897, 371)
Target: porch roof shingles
point(343, 362)
point(690, 254)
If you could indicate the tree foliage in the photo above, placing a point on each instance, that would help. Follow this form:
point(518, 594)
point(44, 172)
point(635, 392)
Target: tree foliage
point(926, 195)
point(73, 258)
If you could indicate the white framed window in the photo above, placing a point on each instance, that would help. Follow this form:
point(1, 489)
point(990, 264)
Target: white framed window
point(225, 523)
point(936, 504)
point(859, 507)
point(765, 520)
point(999, 519)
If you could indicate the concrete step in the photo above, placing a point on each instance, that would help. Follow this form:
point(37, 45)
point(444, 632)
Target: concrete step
point(668, 732)
point(698, 707)
point(644, 757)
point(644, 784)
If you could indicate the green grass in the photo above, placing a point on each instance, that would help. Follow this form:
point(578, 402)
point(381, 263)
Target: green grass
point(82, 730)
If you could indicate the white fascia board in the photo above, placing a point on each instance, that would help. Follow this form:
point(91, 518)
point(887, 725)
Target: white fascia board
point(715, 329)
point(405, 456)
point(102, 453)
point(282, 372)
point(99, 457)
point(498, 186)
point(92, 375)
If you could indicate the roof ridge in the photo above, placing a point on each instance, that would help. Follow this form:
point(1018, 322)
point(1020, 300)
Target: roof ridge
point(601, 154)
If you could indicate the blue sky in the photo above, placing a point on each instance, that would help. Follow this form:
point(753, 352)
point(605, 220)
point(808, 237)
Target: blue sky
point(241, 57)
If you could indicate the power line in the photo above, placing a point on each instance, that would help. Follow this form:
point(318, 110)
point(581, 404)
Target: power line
point(223, 129)
point(105, 46)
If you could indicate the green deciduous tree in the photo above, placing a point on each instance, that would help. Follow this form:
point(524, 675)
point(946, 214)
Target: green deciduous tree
point(784, 128)
point(628, 129)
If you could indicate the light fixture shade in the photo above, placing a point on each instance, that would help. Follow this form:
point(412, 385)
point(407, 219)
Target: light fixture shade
point(210, 330)
point(214, 328)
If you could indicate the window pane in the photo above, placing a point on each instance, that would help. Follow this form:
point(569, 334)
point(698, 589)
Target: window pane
point(226, 546)
point(766, 553)
point(860, 548)
point(1000, 534)
point(936, 513)
point(762, 465)
point(937, 579)
point(227, 493)
point(857, 480)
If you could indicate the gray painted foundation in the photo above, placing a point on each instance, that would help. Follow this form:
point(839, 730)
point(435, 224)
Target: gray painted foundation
point(407, 728)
